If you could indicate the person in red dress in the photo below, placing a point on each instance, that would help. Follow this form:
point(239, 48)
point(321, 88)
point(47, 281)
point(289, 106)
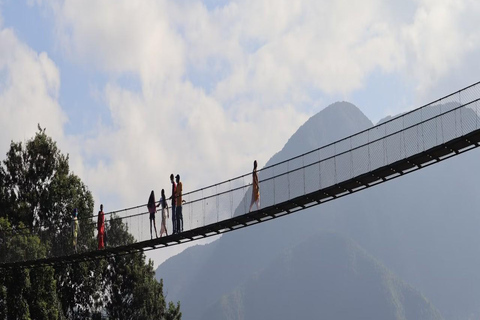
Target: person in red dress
point(101, 228)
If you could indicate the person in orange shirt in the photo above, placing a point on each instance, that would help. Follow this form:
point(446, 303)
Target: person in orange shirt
point(178, 196)
point(101, 228)
point(173, 197)
point(255, 187)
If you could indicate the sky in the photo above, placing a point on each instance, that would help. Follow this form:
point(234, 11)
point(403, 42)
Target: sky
point(136, 90)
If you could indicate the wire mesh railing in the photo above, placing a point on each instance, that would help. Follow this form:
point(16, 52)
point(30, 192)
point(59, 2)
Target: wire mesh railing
point(404, 136)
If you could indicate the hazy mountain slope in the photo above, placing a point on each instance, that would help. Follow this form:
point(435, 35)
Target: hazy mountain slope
point(239, 254)
point(325, 277)
point(322, 129)
point(423, 226)
point(196, 258)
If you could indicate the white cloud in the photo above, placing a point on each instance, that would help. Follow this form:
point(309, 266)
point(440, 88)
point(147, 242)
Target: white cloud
point(271, 49)
point(121, 36)
point(29, 85)
point(183, 128)
point(438, 40)
point(263, 58)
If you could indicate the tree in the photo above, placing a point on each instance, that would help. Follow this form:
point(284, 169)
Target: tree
point(134, 293)
point(38, 194)
point(25, 292)
point(38, 191)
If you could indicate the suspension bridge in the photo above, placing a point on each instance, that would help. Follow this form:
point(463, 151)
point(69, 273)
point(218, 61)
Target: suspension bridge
point(411, 141)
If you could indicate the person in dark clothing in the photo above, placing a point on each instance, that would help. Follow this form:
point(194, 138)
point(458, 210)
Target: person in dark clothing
point(178, 195)
point(174, 206)
point(152, 209)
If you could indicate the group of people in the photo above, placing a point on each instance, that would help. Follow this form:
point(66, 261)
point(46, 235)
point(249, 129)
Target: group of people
point(176, 205)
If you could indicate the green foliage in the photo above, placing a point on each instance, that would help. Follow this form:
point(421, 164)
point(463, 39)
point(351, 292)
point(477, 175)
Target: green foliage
point(38, 194)
point(117, 232)
point(26, 292)
point(38, 190)
point(173, 312)
point(77, 286)
point(134, 291)
point(43, 296)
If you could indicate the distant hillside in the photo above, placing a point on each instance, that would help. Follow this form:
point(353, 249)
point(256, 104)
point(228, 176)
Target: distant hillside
point(325, 277)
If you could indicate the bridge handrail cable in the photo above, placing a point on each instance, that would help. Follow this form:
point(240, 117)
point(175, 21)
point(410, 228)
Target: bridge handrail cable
point(298, 157)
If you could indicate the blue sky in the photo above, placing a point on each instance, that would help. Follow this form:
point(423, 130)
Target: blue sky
point(136, 90)
point(35, 27)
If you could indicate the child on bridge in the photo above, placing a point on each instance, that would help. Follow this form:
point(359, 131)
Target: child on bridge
point(163, 203)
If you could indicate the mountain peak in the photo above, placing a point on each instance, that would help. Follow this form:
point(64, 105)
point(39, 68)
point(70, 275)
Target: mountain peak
point(337, 121)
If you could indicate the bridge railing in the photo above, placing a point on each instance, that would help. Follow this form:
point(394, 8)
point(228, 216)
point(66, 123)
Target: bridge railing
point(386, 143)
point(398, 138)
